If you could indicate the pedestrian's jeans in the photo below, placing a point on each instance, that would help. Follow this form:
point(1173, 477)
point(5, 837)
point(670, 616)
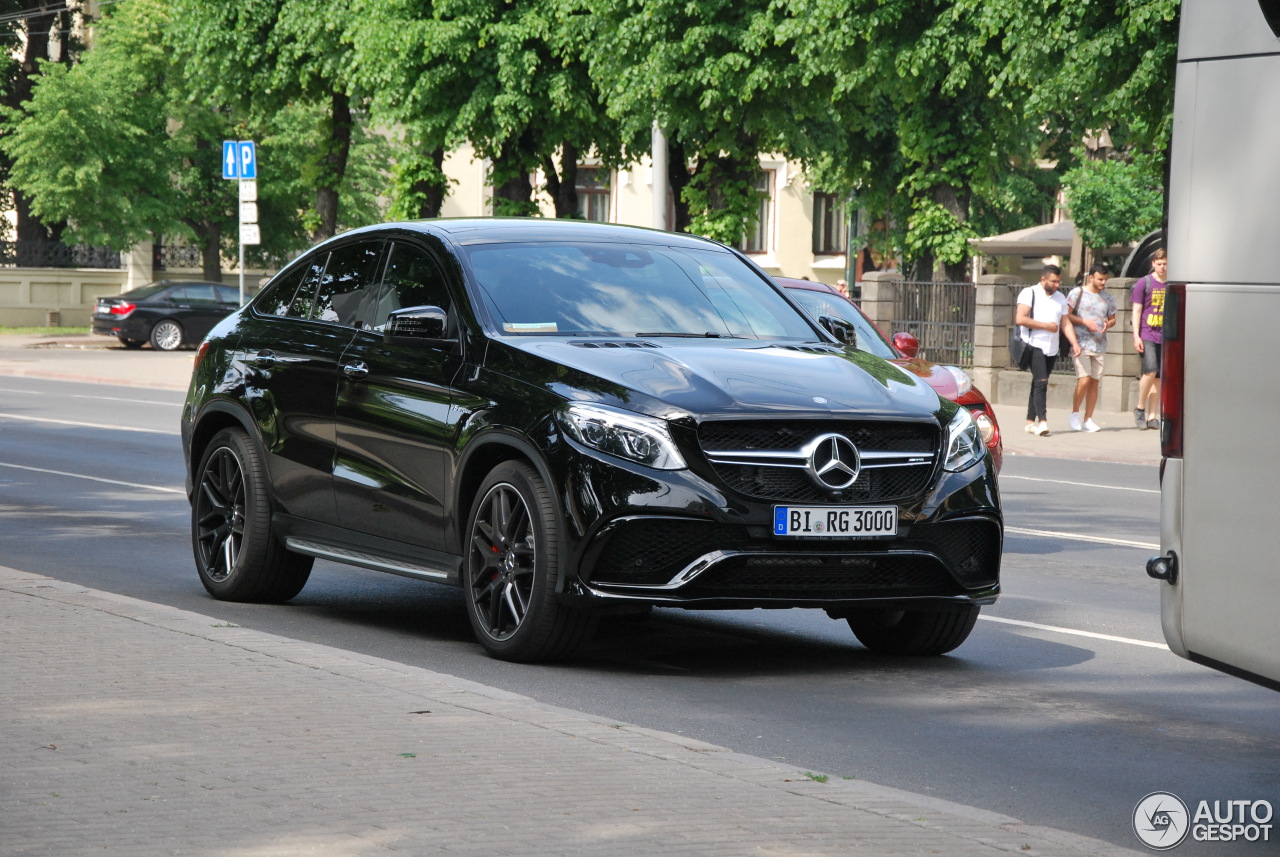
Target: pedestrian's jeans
point(1037, 400)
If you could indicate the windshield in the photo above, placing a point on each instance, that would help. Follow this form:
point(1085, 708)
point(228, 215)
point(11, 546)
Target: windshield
point(145, 291)
point(824, 303)
point(629, 290)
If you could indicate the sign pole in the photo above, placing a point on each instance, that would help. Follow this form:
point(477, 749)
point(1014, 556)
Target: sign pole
point(240, 162)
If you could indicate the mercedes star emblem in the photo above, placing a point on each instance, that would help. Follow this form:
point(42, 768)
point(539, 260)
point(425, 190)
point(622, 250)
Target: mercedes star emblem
point(833, 462)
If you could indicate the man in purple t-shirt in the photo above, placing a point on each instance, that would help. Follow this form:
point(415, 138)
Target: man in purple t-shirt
point(1148, 338)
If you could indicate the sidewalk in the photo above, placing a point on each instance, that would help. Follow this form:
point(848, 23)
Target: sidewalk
point(139, 729)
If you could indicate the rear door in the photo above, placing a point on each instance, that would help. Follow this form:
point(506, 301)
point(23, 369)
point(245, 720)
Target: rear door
point(198, 309)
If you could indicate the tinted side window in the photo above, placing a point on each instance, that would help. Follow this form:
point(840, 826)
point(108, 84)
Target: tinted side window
point(413, 279)
point(349, 278)
point(229, 295)
point(194, 294)
point(282, 294)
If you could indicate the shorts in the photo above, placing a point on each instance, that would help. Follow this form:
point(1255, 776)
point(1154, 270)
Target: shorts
point(1089, 364)
point(1151, 358)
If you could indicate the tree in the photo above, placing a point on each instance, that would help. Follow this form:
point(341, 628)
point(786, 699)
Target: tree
point(508, 77)
point(265, 56)
point(112, 146)
point(1114, 201)
point(723, 89)
point(39, 32)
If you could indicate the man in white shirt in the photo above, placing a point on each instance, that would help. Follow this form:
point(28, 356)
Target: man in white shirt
point(1040, 313)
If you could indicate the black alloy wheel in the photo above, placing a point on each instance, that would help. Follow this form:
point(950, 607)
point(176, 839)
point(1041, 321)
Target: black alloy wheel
point(512, 554)
point(913, 632)
point(236, 554)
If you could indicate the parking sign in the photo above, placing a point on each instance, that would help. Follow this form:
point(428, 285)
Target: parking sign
point(239, 159)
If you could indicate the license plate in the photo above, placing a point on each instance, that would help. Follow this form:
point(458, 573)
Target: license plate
point(847, 521)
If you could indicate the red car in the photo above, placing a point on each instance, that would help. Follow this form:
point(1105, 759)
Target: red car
point(951, 382)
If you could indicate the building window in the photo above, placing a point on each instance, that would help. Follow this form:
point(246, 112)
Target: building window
point(757, 239)
point(593, 193)
point(830, 228)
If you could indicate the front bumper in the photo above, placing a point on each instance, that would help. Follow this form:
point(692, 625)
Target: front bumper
point(677, 539)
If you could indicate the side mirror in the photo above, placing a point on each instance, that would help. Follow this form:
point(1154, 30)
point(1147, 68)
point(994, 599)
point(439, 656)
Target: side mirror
point(419, 324)
point(906, 343)
point(840, 329)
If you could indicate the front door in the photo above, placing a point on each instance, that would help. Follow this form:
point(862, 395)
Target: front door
point(396, 421)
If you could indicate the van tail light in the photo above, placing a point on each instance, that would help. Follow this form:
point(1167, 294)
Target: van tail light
point(1172, 370)
point(122, 309)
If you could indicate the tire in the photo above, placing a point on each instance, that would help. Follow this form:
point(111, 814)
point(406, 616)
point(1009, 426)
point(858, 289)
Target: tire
point(130, 343)
point(911, 632)
point(512, 553)
point(237, 556)
point(166, 335)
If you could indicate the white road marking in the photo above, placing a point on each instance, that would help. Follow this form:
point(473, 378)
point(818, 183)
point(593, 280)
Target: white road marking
point(1081, 537)
point(1055, 629)
point(84, 425)
point(94, 478)
point(1080, 484)
point(82, 396)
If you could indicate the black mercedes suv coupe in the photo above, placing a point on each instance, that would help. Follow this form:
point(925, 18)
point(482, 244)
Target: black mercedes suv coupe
point(572, 420)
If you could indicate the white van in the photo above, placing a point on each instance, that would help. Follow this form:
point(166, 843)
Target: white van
point(1220, 433)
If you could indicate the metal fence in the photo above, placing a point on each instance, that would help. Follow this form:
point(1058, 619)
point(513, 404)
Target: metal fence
point(941, 316)
point(54, 254)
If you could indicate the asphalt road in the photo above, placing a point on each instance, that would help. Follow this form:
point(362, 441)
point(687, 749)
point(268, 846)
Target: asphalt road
point(1063, 709)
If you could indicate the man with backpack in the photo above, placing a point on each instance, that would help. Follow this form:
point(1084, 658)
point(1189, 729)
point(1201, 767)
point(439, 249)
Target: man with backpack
point(1148, 339)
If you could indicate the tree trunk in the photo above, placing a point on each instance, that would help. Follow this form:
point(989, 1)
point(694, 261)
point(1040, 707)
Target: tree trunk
point(335, 163)
point(210, 237)
point(956, 202)
point(678, 177)
point(512, 189)
point(562, 187)
point(432, 191)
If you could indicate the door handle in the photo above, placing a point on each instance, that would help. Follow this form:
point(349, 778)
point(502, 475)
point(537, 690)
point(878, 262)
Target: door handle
point(355, 370)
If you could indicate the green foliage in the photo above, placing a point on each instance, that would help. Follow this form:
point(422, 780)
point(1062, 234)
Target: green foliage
point(1114, 201)
point(111, 145)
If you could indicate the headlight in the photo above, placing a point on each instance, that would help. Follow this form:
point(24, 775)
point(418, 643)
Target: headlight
point(644, 440)
point(963, 382)
point(964, 442)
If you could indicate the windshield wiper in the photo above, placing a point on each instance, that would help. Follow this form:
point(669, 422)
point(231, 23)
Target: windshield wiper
point(708, 335)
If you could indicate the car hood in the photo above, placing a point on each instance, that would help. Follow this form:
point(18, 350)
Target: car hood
point(722, 377)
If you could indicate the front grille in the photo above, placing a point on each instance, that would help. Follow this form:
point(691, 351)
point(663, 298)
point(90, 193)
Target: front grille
point(792, 484)
point(823, 577)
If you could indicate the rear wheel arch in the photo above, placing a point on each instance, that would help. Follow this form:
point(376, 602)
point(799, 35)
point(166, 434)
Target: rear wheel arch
point(213, 419)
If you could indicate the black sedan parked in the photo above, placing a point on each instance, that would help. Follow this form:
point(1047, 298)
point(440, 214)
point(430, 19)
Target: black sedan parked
point(571, 420)
point(167, 314)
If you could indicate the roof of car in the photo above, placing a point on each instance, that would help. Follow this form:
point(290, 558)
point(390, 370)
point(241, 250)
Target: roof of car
point(470, 230)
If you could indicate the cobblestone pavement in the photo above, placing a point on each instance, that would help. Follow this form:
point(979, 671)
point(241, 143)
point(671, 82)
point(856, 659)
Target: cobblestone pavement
point(139, 729)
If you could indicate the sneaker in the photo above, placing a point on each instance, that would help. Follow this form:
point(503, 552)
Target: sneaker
point(1031, 428)
point(1042, 428)
point(1090, 425)
point(1140, 418)
point(1074, 422)
point(1153, 424)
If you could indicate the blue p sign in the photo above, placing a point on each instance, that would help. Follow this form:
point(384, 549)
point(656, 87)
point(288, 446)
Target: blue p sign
point(239, 159)
point(248, 160)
